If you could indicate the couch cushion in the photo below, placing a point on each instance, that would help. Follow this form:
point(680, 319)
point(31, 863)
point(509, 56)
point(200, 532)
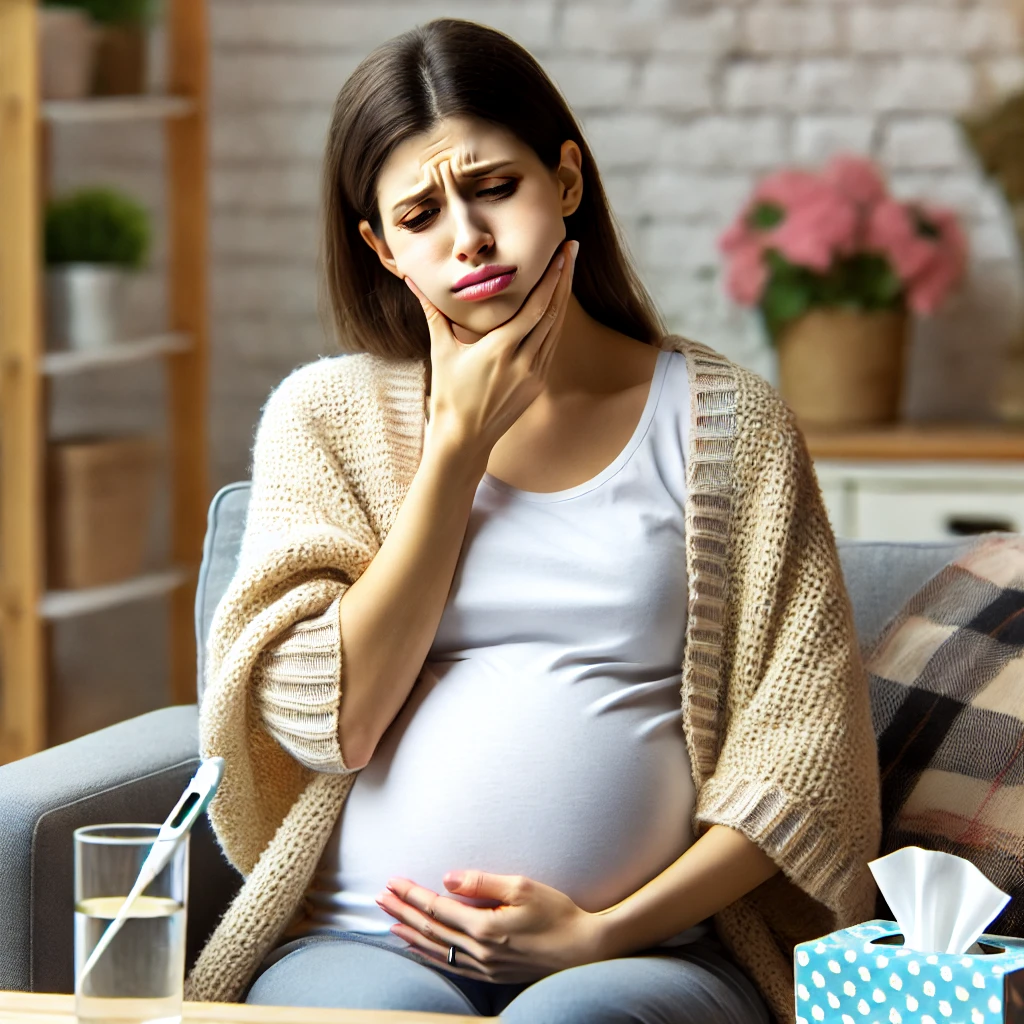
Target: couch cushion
point(881, 575)
point(947, 699)
point(225, 523)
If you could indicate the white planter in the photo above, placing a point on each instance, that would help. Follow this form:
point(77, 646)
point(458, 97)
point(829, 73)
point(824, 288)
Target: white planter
point(83, 305)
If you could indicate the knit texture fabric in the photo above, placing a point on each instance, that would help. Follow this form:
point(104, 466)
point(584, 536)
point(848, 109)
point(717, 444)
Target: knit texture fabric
point(774, 698)
point(295, 682)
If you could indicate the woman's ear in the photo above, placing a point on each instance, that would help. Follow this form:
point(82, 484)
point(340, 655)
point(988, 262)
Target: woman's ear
point(380, 247)
point(570, 177)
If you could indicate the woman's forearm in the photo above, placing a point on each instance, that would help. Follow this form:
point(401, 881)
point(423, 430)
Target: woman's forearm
point(718, 869)
point(389, 616)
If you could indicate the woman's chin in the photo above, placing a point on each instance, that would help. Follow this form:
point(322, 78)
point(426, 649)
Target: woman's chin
point(484, 320)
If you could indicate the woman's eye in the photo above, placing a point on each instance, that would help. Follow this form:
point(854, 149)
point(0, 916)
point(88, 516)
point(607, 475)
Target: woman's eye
point(505, 189)
point(417, 221)
point(420, 220)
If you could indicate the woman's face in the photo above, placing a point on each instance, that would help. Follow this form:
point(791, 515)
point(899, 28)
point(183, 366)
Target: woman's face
point(470, 195)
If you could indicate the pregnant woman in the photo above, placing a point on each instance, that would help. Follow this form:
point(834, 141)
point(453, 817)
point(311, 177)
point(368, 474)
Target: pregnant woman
point(537, 680)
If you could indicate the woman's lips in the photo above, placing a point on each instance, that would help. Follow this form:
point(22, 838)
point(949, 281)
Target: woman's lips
point(484, 289)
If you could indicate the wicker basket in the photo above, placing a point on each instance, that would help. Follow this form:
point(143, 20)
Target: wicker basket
point(844, 367)
point(99, 508)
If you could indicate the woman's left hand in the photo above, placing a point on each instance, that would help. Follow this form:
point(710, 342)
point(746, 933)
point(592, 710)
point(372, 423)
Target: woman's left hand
point(535, 931)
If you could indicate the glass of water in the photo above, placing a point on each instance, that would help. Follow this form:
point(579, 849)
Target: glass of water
point(139, 977)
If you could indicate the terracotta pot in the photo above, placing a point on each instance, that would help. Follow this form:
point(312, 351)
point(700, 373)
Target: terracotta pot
point(844, 367)
point(121, 60)
point(67, 53)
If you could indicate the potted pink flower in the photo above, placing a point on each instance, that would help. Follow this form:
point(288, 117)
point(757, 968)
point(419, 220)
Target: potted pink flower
point(836, 266)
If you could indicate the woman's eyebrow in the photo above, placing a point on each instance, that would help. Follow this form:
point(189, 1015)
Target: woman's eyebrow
point(469, 171)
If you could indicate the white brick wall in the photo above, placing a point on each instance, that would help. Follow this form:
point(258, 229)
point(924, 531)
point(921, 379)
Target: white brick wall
point(685, 103)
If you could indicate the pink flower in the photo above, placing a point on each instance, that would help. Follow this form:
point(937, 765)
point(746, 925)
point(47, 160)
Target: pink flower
point(925, 246)
point(818, 222)
point(796, 213)
point(748, 274)
point(891, 231)
point(857, 177)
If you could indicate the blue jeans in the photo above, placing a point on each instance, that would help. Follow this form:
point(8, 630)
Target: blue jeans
point(697, 983)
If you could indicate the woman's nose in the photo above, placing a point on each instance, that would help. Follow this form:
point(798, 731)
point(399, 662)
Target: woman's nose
point(471, 237)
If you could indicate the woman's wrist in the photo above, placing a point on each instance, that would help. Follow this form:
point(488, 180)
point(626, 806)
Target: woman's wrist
point(608, 939)
point(453, 455)
point(719, 868)
point(601, 937)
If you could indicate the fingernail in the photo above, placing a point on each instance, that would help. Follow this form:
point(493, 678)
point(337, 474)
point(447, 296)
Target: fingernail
point(561, 262)
point(575, 246)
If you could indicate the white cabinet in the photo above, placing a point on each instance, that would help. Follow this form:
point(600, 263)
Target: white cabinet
point(926, 500)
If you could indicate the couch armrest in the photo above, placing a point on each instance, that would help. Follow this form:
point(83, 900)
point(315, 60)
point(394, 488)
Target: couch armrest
point(133, 771)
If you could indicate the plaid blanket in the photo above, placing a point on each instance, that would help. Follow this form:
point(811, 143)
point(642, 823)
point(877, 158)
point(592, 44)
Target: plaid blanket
point(947, 682)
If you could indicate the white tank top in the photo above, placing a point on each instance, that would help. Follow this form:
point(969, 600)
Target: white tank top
point(544, 735)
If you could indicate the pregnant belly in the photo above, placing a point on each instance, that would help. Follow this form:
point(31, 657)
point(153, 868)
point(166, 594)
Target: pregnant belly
point(572, 782)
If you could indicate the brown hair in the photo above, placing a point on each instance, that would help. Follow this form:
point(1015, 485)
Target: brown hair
point(447, 68)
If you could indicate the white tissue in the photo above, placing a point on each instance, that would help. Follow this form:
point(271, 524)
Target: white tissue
point(941, 902)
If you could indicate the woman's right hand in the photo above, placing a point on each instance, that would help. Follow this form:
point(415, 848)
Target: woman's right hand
point(479, 390)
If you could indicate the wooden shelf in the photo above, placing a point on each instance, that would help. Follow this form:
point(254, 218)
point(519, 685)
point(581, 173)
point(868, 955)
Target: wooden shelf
point(59, 364)
point(116, 108)
point(919, 441)
point(27, 370)
point(66, 604)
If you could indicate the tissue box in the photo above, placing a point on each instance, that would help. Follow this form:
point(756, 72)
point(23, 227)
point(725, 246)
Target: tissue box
point(863, 975)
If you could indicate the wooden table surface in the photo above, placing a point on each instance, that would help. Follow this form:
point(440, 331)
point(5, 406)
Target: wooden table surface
point(952, 441)
point(49, 1008)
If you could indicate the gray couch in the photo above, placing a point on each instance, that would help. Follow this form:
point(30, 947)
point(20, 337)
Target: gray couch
point(135, 770)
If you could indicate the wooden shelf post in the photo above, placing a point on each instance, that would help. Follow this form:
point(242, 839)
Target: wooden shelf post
point(22, 427)
point(187, 225)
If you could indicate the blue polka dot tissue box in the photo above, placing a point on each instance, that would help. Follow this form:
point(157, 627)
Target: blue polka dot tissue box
point(863, 975)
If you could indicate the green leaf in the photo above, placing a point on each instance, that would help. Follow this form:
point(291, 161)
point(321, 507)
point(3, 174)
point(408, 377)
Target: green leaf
point(113, 12)
point(784, 299)
point(766, 216)
point(862, 281)
point(777, 263)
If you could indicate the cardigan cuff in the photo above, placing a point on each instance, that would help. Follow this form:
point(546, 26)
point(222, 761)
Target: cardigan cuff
point(796, 833)
point(297, 688)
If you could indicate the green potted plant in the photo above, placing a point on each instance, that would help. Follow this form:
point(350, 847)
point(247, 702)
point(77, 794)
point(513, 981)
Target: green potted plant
point(94, 239)
point(122, 28)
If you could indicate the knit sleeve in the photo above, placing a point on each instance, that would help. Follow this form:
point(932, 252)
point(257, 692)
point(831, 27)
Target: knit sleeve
point(297, 689)
point(274, 662)
point(796, 770)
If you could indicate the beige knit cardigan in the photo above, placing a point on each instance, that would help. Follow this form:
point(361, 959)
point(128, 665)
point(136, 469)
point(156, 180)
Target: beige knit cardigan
point(774, 700)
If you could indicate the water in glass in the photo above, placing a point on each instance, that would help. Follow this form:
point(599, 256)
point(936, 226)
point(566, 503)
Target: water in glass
point(137, 979)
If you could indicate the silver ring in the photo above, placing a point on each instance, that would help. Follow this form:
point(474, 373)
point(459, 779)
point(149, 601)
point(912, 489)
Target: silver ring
point(451, 955)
